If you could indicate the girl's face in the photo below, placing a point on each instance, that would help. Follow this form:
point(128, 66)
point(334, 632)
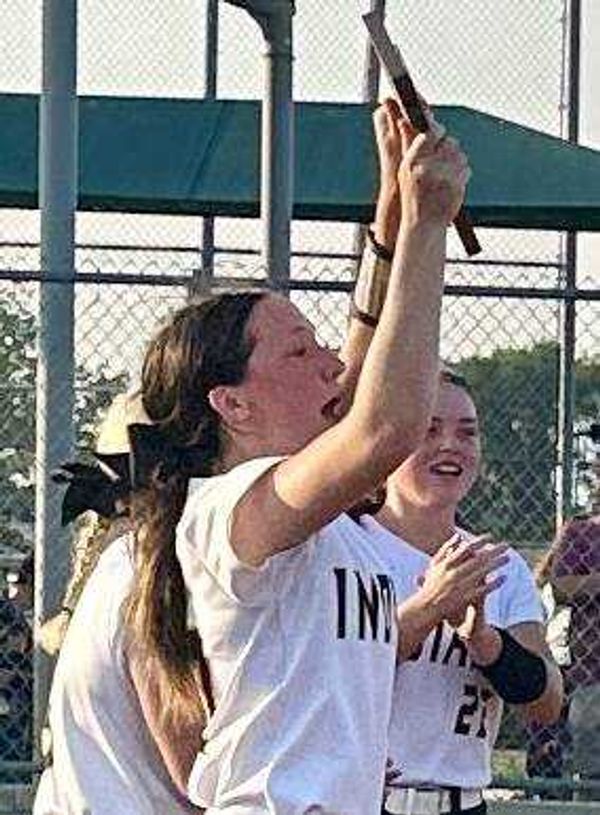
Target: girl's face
point(444, 467)
point(291, 381)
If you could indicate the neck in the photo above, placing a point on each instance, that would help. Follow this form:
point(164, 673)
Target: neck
point(243, 448)
point(425, 528)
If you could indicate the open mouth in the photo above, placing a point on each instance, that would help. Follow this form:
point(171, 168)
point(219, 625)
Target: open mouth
point(333, 410)
point(446, 468)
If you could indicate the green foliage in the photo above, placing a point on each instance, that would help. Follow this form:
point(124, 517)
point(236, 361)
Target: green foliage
point(516, 394)
point(94, 391)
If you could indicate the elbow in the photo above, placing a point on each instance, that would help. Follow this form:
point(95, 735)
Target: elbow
point(396, 442)
point(383, 444)
point(545, 712)
point(547, 709)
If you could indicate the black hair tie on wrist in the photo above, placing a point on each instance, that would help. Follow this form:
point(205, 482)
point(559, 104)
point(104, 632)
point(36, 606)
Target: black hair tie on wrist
point(379, 249)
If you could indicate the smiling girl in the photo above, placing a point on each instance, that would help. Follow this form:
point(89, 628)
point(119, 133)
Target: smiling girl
point(448, 695)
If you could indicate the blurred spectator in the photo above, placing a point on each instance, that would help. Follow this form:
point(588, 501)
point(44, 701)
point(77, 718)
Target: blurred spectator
point(16, 677)
point(576, 579)
point(20, 586)
point(570, 577)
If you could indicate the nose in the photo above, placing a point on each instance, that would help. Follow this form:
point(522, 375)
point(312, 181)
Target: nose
point(447, 440)
point(332, 365)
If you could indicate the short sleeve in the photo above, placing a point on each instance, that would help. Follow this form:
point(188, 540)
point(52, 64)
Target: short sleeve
point(204, 536)
point(520, 598)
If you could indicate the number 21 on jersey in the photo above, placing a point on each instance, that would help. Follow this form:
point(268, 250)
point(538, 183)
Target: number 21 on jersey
point(471, 716)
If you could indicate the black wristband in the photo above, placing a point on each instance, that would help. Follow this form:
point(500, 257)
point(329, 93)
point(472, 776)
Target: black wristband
point(378, 248)
point(518, 675)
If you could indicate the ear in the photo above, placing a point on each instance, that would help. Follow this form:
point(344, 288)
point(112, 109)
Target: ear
point(229, 403)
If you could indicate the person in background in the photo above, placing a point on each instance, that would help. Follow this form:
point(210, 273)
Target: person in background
point(20, 586)
point(16, 683)
point(574, 574)
point(103, 755)
point(96, 501)
point(569, 575)
point(448, 694)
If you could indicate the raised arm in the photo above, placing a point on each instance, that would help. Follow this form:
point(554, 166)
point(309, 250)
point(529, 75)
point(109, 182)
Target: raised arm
point(396, 386)
point(374, 271)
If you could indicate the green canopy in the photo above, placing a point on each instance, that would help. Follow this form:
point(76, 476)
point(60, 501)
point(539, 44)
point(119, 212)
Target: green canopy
point(202, 157)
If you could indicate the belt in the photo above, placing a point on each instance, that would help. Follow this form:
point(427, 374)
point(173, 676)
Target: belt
point(419, 801)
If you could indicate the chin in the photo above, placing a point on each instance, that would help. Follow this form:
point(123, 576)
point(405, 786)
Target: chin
point(437, 500)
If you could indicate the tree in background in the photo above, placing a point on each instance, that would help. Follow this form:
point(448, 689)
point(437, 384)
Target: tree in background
point(94, 392)
point(516, 394)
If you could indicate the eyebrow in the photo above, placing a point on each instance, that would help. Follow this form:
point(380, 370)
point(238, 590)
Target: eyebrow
point(303, 329)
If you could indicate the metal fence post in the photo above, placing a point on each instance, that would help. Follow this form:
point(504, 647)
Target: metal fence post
point(567, 383)
point(55, 374)
point(277, 151)
point(277, 146)
point(202, 280)
point(370, 93)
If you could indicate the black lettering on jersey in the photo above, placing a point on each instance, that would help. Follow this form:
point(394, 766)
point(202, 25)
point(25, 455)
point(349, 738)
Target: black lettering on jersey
point(456, 644)
point(367, 613)
point(443, 652)
point(388, 596)
point(435, 646)
point(437, 642)
point(471, 719)
point(368, 606)
point(340, 583)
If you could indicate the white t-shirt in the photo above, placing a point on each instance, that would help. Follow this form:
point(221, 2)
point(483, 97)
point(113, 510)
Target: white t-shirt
point(446, 716)
point(103, 758)
point(302, 656)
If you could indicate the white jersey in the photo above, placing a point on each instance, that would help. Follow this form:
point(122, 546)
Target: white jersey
point(302, 656)
point(103, 758)
point(446, 716)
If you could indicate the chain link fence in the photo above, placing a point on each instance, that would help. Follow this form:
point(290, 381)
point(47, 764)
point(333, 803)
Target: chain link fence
point(502, 320)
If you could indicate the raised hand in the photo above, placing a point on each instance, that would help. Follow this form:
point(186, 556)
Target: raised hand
point(433, 175)
point(461, 574)
point(386, 123)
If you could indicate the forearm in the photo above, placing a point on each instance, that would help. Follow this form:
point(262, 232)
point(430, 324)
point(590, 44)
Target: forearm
point(486, 650)
point(416, 618)
point(398, 380)
point(384, 230)
point(546, 709)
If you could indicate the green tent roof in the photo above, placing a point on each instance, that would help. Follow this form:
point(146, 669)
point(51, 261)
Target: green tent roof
point(202, 157)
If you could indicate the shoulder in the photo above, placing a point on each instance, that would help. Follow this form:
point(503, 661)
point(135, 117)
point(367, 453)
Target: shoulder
point(115, 565)
point(221, 488)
